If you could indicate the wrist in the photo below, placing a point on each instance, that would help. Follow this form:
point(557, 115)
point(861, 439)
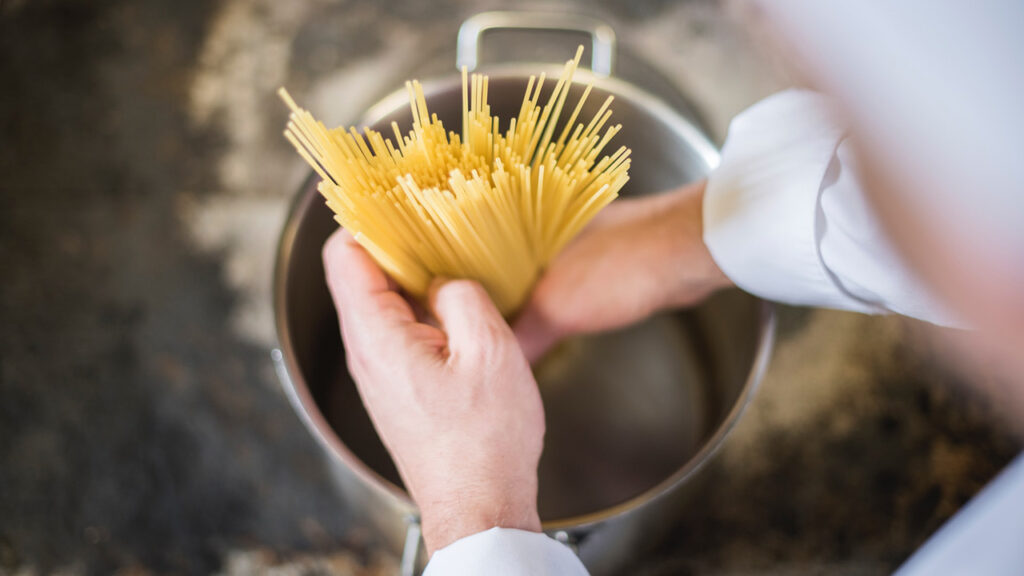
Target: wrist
point(466, 512)
point(692, 273)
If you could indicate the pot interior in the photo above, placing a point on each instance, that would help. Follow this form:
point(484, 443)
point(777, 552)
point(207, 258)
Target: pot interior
point(626, 411)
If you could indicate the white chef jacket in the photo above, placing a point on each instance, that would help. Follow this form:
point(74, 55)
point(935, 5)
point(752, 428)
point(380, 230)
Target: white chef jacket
point(785, 218)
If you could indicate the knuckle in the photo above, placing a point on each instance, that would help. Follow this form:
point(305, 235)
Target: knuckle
point(491, 344)
point(487, 336)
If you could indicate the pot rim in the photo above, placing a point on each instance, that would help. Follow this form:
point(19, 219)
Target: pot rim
point(298, 390)
point(290, 374)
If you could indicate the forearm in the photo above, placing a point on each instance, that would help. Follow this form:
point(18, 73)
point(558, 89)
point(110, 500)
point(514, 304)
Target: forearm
point(669, 266)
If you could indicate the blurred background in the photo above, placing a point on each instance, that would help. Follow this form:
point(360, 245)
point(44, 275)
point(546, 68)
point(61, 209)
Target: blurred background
point(143, 185)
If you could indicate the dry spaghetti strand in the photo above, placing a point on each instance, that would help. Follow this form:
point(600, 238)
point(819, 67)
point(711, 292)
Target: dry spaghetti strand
point(491, 206)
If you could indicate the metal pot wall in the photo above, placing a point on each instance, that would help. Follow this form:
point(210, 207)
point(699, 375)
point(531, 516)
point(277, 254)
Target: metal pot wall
point(632, 416)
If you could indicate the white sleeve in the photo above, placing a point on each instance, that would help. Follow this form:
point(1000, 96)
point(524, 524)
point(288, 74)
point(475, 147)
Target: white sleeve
point(983, 538)
point(505, 552)
point(786, 219)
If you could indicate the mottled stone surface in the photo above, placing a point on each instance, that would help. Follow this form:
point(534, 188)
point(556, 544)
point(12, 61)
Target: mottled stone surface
point(143, 183)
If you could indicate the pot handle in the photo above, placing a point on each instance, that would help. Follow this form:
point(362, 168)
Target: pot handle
point(472, 30)
point(411, 550)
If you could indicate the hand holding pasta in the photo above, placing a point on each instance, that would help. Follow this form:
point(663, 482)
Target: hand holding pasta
point(455, 405)
point(491, 206)
point(601, 283)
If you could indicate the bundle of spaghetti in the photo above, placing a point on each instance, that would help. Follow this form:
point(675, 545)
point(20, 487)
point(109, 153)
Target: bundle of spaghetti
point(487, 205)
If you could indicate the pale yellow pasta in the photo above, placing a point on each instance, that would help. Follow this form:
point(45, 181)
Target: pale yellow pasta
point(488, 205)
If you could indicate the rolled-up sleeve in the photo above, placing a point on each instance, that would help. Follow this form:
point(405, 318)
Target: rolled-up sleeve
point(505, 552)
point(785, 216)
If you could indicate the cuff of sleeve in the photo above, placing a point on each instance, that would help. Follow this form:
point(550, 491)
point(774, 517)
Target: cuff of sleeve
point(761, 204)
point(505, 552)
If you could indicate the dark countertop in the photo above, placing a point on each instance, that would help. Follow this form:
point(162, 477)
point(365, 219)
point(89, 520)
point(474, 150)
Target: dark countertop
point(142, 430)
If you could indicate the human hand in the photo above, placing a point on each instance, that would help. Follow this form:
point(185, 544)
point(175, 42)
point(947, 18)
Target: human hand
point(456, 406)
point(637, 257)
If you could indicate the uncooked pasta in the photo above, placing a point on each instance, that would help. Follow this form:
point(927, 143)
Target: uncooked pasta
point(489, 205)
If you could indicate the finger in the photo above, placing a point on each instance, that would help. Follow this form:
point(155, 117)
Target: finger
point(368, 306)
point(536, 335)
point(467, 315)
point(344, 236)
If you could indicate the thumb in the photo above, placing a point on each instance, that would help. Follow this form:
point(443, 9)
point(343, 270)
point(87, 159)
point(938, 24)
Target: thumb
point(467, 314)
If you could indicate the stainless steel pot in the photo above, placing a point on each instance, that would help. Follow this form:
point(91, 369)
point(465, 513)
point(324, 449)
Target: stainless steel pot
point(632, 416)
